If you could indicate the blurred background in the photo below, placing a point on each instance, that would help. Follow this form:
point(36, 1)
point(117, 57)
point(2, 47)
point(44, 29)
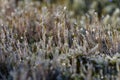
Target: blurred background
point(77, 7)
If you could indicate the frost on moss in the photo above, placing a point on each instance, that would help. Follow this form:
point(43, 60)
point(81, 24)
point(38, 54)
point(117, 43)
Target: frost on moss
point(49, 41)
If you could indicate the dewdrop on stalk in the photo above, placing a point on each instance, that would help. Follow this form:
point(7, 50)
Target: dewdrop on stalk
point(93, 30)
point(65, 7)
